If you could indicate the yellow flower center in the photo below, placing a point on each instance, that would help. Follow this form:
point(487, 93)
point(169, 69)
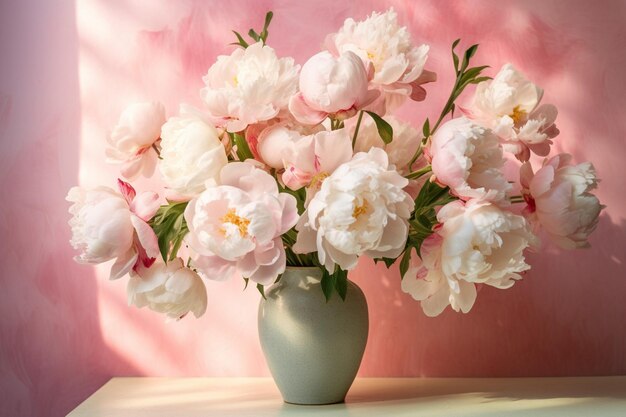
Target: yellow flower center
point(232, 218)
point(317, 179)
point(236, 81)
point(370, 56)
point(518, 115)
point(358, 210)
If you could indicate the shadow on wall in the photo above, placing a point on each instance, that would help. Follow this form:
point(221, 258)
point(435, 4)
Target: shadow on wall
point(562, 313)
point(52, 355)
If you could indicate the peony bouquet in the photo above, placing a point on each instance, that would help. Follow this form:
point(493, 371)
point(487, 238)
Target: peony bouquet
point(288, 165)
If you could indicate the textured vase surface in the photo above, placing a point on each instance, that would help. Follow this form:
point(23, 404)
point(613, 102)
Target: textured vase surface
point(313, 348)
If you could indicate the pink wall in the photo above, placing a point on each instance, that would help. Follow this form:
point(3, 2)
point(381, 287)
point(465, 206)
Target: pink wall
point(68, 70)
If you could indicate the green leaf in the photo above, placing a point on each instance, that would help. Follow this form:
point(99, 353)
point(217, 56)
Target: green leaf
point(473, 72)
point(479, 80)
point(170, 228)
point(261, 290)
point(384, 129)
point(405, 262)
point(388, 262)
point(240, 39)
point(255, 36)
point(341, 283)
point(176, 244)
point(328, 284)
point(426, 128)
point(243, 150)
point(455, 57)
point(247, 281)
point(469, 53)
point(268, 19)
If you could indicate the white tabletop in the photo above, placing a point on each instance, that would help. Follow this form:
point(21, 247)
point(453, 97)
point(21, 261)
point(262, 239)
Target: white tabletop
point(259, 397)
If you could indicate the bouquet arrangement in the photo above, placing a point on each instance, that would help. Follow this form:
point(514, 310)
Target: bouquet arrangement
point(289, 165)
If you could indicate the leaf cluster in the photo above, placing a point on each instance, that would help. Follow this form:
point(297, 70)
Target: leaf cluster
point(465, 75)
point(170, 227)
point(337, 281)
point(256, 37)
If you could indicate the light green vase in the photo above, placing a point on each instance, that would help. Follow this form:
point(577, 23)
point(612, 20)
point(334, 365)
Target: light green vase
point(313, 348)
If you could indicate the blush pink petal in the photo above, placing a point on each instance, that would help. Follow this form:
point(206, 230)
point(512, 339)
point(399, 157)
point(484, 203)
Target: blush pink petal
point(145, 205)
point(146, 237)
point(303, 112)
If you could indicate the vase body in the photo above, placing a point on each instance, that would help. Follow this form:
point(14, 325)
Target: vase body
point(313, 348)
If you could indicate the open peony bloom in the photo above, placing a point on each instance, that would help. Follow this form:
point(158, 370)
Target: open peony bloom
point(191, 154)
point(108, 225)
point(312, 158)
point(509, 105)
point(132, 139)
point(559, 200)
point(398, 65)
point(468, 159)
point(361, 208)
point(170, 289)
point(329, 86)
point(476, 243)
point(406, 140)
point(249, 86)
point(235, 228)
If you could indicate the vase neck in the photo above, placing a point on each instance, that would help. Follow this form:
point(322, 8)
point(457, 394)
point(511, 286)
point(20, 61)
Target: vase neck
point(301, 275)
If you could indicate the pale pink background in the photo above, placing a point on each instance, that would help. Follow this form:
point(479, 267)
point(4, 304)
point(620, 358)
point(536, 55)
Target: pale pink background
point(69, 69)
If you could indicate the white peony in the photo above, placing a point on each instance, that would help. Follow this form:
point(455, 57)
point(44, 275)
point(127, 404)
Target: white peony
point(468, 159)
point(381, 41)
point(191, 154)
point(101, 224)
point(249, 86)
point(406, 140)
point(476, 243)
point(110, 225)
point(131, 142)
point(169, 288)
point(361, 208)
point(509, 105)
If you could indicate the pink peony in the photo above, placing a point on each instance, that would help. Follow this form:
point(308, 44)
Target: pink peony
point(468, 159)
point(329, 86)
point(108, 225)
point(312, 158)
point(131, 142)
point(235, 228)
point(559, 200)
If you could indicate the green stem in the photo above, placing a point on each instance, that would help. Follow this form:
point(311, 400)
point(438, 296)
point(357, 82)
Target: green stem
point(416, 174)
point(417, 154)
point(448, 106)
point(243, 150)
point(156, 150)
point(356, 129)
